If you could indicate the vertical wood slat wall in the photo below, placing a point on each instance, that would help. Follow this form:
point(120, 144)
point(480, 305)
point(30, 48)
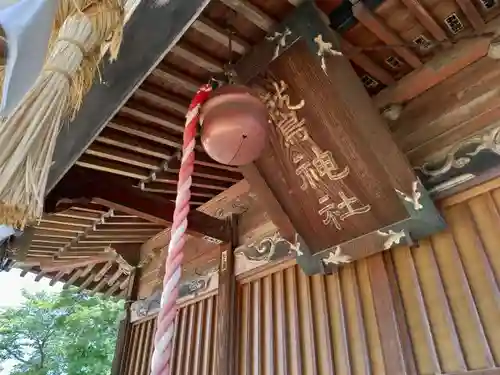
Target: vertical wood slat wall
point(430, 310)
point(194, 341)
point(447, 289)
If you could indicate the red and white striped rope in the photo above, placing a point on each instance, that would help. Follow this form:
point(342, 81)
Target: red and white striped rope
point(162, 354)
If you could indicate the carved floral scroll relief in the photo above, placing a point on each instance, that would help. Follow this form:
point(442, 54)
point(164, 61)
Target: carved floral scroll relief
point(462, 153)
point(315, 167)
point(268, 249)
point(189, 289)
point(464, 161)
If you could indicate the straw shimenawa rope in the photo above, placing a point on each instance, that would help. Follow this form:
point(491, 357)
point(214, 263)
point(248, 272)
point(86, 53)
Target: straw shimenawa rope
point(84, 77)
point(28, 135)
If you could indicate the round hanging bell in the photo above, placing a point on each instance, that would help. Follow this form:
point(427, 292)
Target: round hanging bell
point(234, 125)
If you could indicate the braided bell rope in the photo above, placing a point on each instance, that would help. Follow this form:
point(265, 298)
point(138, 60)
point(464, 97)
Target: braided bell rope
point(162, 354)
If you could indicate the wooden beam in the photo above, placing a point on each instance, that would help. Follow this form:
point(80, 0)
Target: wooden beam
point(148, 37)
point(416, 8)
point(161, 99)
point(123, 140)
point(146, 114)
point(25, 271)
point(112, 290)
point(103, 271)
point(442, 66)
point(87, 282)
point(377, 27)
point(161, 188)
point(365, 63)
point(268, 200)
point(147, 132)
point(171, 178)
point(40, 275)
point(98, 287)
point(226, 312)
point(57, 277)
point(206, 27)
point(66, 266)
point(251, 13)
point(122, 156)
point(170, 75)
point(73, 278)
point(265, 22)
point(198, 57)
point(472, 14)
point(118, 194)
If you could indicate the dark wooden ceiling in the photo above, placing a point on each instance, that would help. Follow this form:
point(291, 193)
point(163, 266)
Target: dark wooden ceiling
point(143, 140)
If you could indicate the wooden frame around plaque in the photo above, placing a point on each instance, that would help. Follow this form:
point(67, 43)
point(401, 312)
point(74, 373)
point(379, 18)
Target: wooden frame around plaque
point(332, 179)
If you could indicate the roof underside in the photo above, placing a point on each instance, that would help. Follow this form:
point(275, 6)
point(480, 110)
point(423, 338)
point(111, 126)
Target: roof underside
point(143, 140)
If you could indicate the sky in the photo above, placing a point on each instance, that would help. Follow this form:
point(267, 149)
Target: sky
point(11, 286)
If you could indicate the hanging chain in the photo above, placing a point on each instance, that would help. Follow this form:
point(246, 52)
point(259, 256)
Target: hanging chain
point(228, 69)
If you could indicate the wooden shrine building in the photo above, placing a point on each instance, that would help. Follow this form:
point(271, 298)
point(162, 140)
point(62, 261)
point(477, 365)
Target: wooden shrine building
point(365, 238)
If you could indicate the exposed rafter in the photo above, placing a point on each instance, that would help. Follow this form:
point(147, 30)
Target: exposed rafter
point(161, 28)
point(118, 194)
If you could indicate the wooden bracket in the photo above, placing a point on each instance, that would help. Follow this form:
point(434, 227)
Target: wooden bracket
point(117, 193)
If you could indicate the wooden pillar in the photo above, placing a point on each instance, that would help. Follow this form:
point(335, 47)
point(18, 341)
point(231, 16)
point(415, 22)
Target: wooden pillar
point(226, 304)
point(122, 341)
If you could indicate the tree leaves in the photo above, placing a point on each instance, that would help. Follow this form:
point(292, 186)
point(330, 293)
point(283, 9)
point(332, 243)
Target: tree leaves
point(65, 333)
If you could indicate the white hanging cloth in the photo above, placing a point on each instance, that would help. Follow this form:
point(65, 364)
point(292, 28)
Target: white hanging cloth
point(27, 25)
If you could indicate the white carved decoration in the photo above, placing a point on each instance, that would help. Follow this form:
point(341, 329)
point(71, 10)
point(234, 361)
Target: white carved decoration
point(325, 48)
point(212, 240)
point(393, 238)
point(392, 112)
point(336, 257)
point(415, 196)
point(281, 38)
point(267, 246)
point(461, 154)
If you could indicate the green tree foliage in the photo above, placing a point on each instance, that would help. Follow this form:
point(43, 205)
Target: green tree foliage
point(65, 333)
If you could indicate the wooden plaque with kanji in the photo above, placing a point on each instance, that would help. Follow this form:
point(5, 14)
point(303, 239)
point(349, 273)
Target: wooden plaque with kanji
point(331, 164)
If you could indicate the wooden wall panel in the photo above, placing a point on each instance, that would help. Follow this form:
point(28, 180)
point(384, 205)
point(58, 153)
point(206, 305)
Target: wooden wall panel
point(299, 325)
point(450, 290)
point(434, 309)
point(194, 341)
